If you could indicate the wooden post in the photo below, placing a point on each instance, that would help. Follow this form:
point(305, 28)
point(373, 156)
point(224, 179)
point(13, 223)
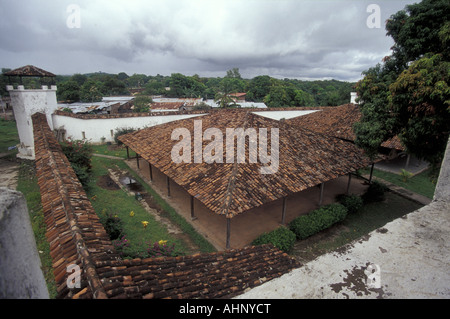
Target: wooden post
point(128, 153)
point(349, 181)
point(137, 160)
point(321, 194)
point(283, 214)
point(228, 232)
point(192, 208)
point(408, 158)
point(151, 172)
point(371, 173)
point(168, 186)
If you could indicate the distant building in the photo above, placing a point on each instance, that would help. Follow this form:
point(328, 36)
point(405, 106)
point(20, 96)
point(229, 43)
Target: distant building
point(353, 97)
point(108, 105)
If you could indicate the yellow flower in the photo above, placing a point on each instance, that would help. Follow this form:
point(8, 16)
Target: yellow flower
point(145, 223)
point(162, 242)
point(131, 214)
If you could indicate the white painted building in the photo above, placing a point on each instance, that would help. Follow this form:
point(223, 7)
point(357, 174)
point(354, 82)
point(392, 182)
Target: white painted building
point(25, 103)
point(97, 130)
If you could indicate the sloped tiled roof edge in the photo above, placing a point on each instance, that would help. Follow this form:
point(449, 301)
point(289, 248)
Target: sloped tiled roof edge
point(77, 237)
point(29, 70)
point(306, 159)
point(338, 121)
point(74, 231)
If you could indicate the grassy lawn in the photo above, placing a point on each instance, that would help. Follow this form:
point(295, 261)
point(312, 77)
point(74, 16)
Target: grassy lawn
point(27, 185)
point(370, 217)
point(8, 136)
point(120, 204)
point(112, 150)
point(422, 183)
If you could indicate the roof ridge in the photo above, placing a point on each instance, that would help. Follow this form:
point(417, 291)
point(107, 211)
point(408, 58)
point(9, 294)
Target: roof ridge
point(228, 196)
point(77, 235)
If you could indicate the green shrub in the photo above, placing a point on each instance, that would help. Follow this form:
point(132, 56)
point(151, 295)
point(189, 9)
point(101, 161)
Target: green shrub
point(375, 193)
point(281, 238)
point(318, 220)
point(405, 175)
point(113, 225)
point(352, 202)
point(79, 153)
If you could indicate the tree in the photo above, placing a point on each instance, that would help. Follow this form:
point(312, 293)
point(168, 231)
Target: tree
point(420, 98)
point(113, 86)
point(136, 80)
point(90, 91)
point(185, 86)
point(259, 87)
point(142, 103)
point(303, 98)
point(407, 94)
point(277, 97)
point(233, 73)
point(68, 91)
point(79, 78)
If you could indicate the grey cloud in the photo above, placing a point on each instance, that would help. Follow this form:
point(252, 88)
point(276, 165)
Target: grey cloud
point(313, 39)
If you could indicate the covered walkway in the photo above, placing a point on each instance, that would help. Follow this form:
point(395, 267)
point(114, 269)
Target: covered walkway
point(244, 227)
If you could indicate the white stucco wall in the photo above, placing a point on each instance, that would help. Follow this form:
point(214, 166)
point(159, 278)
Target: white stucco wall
point(25, 103)
point(21, 276)
point(95, 129)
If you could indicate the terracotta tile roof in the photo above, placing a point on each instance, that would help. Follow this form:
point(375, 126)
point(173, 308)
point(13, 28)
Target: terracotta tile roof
point(74, 231)
point(215, 275)
point(29, 70)
point(306, 159)
point(338, 122)
point(76, 236)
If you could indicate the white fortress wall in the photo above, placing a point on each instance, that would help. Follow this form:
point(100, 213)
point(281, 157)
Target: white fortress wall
point(94, 130)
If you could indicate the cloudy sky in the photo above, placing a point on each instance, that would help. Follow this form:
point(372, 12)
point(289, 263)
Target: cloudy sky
point(314, 39)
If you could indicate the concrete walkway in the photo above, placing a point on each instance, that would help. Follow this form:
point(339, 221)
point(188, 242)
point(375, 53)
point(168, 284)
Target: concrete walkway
point(9, 173)
point(407, 258)
point(418, 198)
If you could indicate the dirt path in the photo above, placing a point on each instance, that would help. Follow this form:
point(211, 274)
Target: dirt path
point(9, 173)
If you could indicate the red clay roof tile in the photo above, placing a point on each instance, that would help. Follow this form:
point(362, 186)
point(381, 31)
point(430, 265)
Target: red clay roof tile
point(77, 237)
point(306, 159)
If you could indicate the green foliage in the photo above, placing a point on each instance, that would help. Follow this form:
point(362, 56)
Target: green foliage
point(90, 91)
point(142, 103)
point(353, 203)
point(185, 86)
point(421, 99)
point(318, 220)
point(79, 154)
point(405, 175)
point(375, 193)
point(408, 94)
point(113, 225)
point(68, 91)
point(160, 249)
point(282, 238)
point(68, 110)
